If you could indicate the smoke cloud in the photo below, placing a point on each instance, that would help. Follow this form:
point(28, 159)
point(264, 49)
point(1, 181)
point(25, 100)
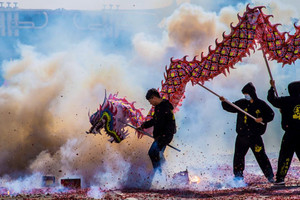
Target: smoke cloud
point(47, 96)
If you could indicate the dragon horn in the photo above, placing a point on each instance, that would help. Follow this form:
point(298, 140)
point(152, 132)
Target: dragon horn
point(104, 98)
point(171, 59)
point(195, 58)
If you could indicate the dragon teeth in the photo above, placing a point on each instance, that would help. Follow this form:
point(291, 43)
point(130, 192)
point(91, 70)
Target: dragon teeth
point(111, 139)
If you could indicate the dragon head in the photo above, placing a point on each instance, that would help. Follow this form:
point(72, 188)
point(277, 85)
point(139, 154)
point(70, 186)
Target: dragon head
point(106, 118)
point(112, 116)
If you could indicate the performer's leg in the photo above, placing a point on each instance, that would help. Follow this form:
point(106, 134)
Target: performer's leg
point(154, 155)
point(258, 150)
point(297, 145)
point(241, 148)
point(162, 143)
point(161, 155)
point(285, 156)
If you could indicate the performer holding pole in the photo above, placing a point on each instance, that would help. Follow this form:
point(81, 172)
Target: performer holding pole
point(249, 131)
point(290, 123)
point(164, 125)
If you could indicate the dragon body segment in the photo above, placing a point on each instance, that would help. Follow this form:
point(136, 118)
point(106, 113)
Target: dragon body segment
point(253, 28)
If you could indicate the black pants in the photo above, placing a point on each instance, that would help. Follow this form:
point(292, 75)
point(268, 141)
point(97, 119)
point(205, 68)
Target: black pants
point(242, 145)
point(290, 144)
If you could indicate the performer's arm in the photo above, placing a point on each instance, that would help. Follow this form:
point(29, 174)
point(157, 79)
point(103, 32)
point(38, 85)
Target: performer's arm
point(275, 101)
point(227, 106)
point(147, 124)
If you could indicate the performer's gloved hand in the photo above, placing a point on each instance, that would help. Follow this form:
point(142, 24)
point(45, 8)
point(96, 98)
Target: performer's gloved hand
point(258, 120)
point(139, 128)
point(222, 98)
point(272, 83)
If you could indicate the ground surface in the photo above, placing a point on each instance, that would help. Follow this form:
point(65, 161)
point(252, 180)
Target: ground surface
point(256, 188)
point(258, 191)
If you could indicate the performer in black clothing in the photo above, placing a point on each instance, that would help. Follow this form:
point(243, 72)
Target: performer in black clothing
point(249, 131)
point(164, 124)
point(290, 112)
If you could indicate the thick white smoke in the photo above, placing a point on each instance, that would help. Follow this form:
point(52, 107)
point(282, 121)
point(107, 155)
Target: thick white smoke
point(47, 96)
point(45, 103)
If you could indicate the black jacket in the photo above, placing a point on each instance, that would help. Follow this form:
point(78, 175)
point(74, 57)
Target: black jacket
point(163, 121)
point(289, 106)
point(246, 125)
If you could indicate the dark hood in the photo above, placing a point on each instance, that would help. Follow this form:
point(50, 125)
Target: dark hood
point(250, 89)
point(167, 104)
point(294, 88)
